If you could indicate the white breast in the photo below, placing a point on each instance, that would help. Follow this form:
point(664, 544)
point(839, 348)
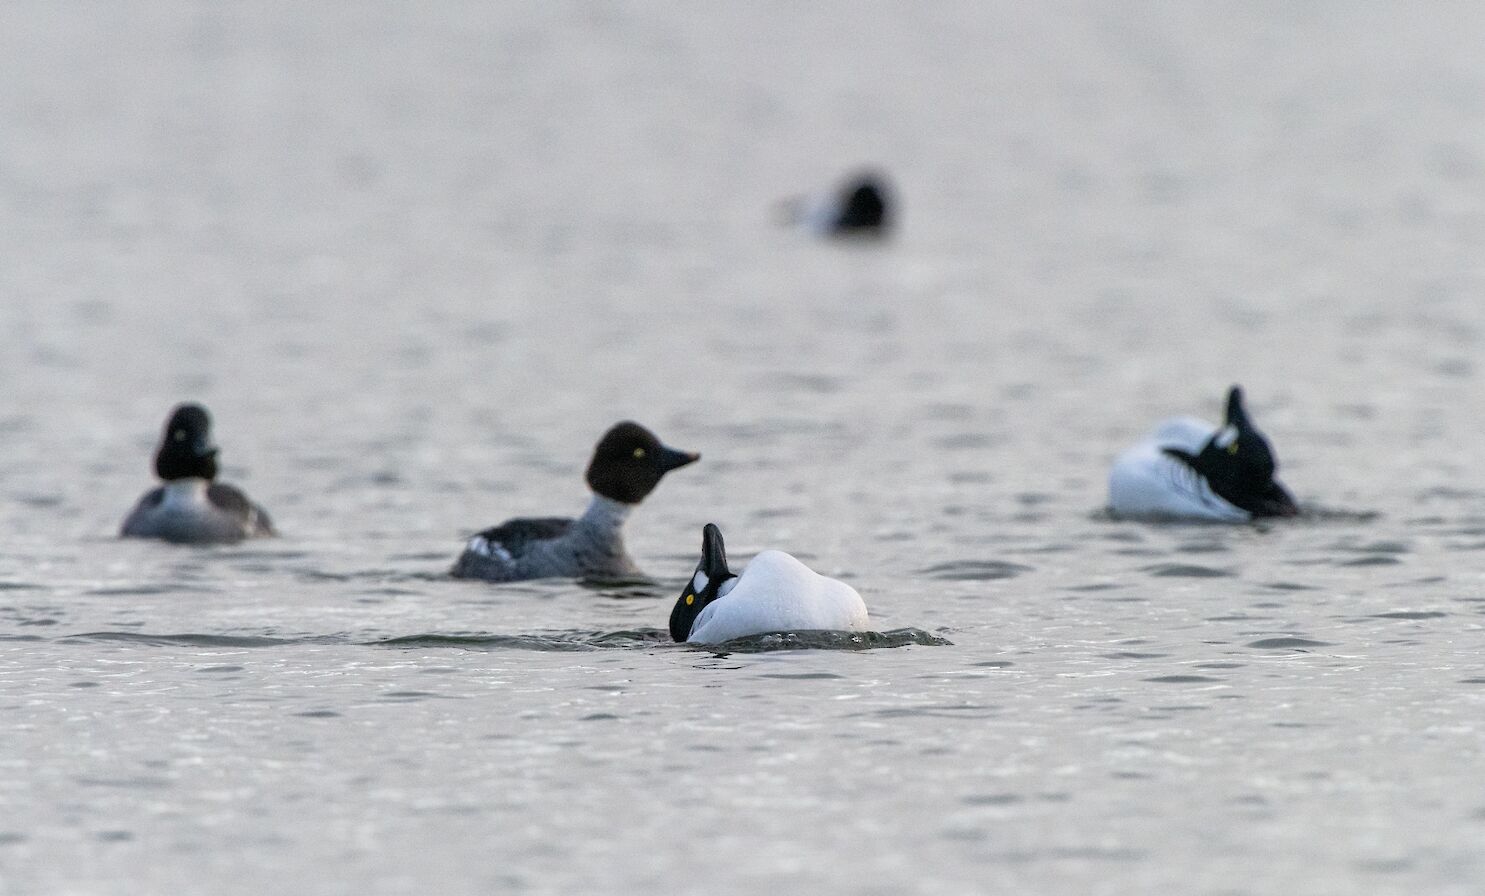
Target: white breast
point(777, 593)
point(1147, 483)
point(185, 496)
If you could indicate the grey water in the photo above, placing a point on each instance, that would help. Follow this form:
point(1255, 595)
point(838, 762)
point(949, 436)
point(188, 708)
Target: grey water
point(416, 260)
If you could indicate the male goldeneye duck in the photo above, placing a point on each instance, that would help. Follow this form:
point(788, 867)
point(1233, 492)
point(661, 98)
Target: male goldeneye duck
point(1189, 469)
point(861, 206)
point(191, 507)
point(627, 464)
point(774, 593)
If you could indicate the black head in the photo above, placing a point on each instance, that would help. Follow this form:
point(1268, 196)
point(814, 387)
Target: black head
point(186, 450)
point(704, 586)
point(864, 206)
point(629, 461)
point(1239, 465)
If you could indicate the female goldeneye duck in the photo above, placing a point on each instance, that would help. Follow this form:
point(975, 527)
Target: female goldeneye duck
point(774, 593)
point(861, 206)
point(1189, 469)
point(191, 507)
point(627, 465)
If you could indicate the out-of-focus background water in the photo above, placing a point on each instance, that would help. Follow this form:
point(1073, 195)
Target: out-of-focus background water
point(416, 259)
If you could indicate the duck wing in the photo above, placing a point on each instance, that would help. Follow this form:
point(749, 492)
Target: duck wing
point(230, 500)
point(518, 535)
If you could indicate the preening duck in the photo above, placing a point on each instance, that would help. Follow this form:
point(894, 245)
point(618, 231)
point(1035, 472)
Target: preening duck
point(774, 593)
point(1191, 470)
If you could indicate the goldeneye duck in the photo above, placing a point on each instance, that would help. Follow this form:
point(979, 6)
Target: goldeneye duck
point(191, 507)
point(774, 593)
point(1189, 469)
point(627, 465)
point(861, 206)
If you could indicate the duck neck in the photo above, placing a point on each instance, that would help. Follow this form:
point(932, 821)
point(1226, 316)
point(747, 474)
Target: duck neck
point(605, 514)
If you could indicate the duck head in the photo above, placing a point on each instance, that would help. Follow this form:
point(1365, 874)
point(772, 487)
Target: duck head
point(1239, 465)
point(863, 205)
point(629, 461)
point(705, 585)
point(186, 450)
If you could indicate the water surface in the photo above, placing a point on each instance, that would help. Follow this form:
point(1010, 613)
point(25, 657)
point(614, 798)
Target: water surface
point(416, 263)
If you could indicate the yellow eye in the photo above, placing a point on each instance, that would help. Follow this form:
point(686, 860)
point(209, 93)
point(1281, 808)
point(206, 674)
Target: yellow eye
point(1232, 449)
point(639, 453)
point(690, 599)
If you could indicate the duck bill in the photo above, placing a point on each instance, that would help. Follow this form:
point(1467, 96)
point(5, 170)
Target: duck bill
point(671, 459)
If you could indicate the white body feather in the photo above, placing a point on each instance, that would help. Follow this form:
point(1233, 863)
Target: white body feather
point(1147, 483)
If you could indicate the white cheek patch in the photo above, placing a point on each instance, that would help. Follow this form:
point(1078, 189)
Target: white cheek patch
point(699, 582)
point(1225, 437)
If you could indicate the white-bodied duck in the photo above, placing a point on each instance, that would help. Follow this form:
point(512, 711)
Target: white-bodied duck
point(774, 593)
point(1189, 469)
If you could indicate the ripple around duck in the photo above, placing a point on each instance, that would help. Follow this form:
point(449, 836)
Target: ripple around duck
point(1311, 513)
point(550, 642)
point(828, 640)
point(974, 570)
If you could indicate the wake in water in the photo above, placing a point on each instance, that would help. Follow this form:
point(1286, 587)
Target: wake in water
point(652, 637)
point(1308, 513)
point(645, 638)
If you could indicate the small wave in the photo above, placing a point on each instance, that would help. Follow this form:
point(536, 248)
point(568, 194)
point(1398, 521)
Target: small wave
point(182, 640)
point(974, 570)
point(1287, 644)
point(150, 590)
point(553, 641)
point(1308, 513)
point(828, 640)
point(1185, 571)
point(1315, 513)
point(1374, 560)
point(1410, 614)
point(626, 588)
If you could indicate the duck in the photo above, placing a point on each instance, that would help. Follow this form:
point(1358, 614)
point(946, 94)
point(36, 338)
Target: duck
point(1189, 469)
point(775, 592)
point(191, 507)
point(628, 462)
point(860, 206)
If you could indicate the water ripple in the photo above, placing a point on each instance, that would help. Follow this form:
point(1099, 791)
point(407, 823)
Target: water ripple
point(827, 640)
point(182, 640)
point(552, 641)
point(975, 570)
point(1287, 643)
point(1185, 571)
point(1411, 614)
